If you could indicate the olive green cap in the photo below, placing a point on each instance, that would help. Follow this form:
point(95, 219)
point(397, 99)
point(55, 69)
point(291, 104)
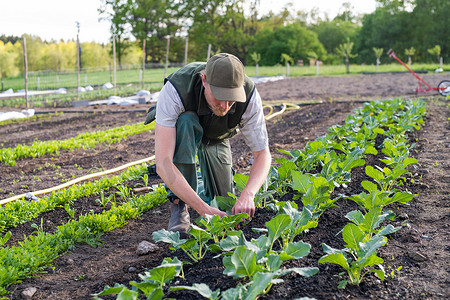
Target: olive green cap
point(225, 76)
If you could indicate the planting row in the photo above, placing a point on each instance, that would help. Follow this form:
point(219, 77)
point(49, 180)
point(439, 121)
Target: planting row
point(22, 211)
point(86, 140)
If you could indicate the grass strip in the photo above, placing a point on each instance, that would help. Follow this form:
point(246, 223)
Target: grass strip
point(37, 252)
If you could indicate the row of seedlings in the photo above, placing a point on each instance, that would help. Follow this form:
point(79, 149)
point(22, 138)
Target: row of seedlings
point(8, 156)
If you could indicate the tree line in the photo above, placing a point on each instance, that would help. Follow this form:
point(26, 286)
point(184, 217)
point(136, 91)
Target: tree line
point(416, 29)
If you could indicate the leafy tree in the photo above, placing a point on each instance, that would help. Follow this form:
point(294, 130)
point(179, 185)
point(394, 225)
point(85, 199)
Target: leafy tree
point(117, 12)
point(209, 23)
point(395, 6)
point(51, 57)
point(429, 20)
point(34, 48)
point(378, 52)
point(69, 55)
point(256, 57)
point(134, 55)
point(155, 21)
point(382, 29)
point(8, 55)
point(346, 13)
point(436, 51)
point(234, 33)
point(345, 50)
point(294, 40)
point(333, 33)
point(10, 38)
point(410, 52)
point(95, 55)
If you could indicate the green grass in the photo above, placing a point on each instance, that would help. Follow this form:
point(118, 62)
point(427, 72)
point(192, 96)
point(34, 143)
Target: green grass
point(327, 70)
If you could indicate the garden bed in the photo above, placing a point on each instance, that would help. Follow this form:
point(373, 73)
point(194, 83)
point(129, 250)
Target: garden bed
point(420, 247)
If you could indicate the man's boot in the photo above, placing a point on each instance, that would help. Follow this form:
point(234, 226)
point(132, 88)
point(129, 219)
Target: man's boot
point(180, 220)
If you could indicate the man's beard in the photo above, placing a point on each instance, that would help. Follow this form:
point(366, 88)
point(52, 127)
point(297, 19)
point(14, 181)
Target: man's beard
point(219, 111)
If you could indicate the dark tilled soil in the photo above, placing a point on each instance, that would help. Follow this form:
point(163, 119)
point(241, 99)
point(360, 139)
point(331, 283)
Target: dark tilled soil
point(421, 247)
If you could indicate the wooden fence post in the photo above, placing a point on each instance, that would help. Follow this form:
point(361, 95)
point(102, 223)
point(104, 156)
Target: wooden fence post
point(209, 52)
point(167, 57)
point(78, 67)
point(143, 62)
point(25, 64)
point(114, 63)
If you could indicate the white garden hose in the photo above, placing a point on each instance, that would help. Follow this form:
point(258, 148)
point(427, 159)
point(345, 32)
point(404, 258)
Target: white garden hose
point(71, 182)
point(286, 106)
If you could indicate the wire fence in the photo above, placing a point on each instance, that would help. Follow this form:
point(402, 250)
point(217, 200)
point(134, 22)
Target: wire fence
point(94, 77)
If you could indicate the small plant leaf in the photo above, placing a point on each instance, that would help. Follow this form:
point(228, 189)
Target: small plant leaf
point(305, 272)
point(374, 173)
point(200, 288)
point(370, 247)
point(352, 236)
point(276, 226)
point(300, 182)
point(241, 181)
point(355, 216)
point(169, 237)
point(335, 258)
point(369, 186)
point(295, 250)
point(409, 160)
point(225, 203)
point(388, 230)
point(242, 263)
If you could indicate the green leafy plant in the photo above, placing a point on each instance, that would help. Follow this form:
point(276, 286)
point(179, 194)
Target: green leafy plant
point(313, 191)
point(370, 222)
point(256, 259)
point(378, 199)
point(5, 238)
point(219, 227)
point(104, 200)
point(151, 284)
point(396, 271)
point(123, 191)
point(260, 284)
point(195, 247)
point(70, 210)
point(358, 257)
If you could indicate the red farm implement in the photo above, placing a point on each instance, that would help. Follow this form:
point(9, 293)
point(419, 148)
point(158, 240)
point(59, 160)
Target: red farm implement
point(443, 87)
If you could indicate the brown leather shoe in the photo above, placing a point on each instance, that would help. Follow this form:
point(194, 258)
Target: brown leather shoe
point(180, 220)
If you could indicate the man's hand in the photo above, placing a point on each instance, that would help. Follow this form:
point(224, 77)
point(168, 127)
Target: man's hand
point(214, 211)
point(245, 204)
point(258, 173)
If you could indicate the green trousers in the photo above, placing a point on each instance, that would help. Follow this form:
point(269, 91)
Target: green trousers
point(216, 173)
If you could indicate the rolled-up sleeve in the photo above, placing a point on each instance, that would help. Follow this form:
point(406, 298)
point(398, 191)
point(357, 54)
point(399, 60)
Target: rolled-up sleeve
point(169, 106)
point(253, 125)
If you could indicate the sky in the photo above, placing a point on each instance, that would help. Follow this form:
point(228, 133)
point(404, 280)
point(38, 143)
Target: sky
point(56, 19)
